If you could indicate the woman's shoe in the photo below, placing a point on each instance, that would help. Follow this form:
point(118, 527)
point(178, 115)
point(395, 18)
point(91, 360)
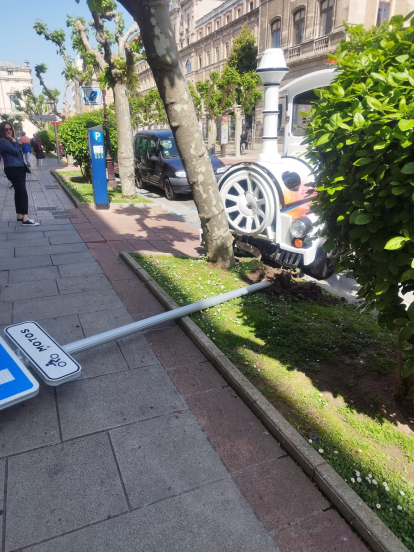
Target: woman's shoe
point(19, 220)
point(30, 222)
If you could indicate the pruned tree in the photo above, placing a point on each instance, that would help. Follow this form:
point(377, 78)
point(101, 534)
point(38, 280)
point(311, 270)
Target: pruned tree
point(70, 72)
point(117, 71)
point(164, 60)
point(31, 105)
point(211, 100)
point(52, 94)
point(147, 110)
point(243, 55)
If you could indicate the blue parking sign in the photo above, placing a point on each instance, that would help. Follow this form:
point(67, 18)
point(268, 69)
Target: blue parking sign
point(16, 382)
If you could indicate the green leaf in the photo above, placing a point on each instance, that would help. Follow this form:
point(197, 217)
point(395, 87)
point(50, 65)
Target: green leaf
point(408, 168)
point(381, 145)
point(408, 368)
point(400, 322)
point(358, 122)
point(398, 190)
point(405, 124)
point(379, 77)
point(381, 288)
point(407, 275)
point(405, 334)
point(402, 59)
point(363, 219)
point(323, 139)
point(395, 243)
point(362, 161)
point(410, 312)
point(374, 103)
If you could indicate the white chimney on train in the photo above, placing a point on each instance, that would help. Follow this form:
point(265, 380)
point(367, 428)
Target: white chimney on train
point(271, 70)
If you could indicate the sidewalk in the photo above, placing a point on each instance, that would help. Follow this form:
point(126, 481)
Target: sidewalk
point(150, 450)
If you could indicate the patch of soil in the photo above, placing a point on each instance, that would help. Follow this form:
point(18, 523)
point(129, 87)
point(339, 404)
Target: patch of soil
point(285, 285)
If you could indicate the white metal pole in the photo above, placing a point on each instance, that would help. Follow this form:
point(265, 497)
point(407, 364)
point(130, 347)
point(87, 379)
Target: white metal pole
point(124, 331)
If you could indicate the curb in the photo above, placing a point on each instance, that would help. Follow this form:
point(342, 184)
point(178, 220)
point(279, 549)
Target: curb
point(363, 520)
point(80, 205)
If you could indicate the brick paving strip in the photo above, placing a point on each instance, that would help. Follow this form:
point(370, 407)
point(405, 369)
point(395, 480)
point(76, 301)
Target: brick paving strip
point(150, 449)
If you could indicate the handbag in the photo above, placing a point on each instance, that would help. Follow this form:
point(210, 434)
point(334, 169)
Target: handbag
point(26, 168)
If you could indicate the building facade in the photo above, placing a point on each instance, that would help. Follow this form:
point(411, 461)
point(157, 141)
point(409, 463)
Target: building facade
point(15, 78)
point(307, 30)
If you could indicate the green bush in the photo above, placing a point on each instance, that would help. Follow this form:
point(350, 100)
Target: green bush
point(73, 136)
point(47, 137)
point(361, 141)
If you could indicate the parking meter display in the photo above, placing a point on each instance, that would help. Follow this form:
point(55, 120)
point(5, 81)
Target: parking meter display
point(50, 360)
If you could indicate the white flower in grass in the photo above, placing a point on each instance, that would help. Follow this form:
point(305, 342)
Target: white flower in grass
point(402, 493)
point(321, 451)
point(378, 506)
point(399, 507)
point(369, 475)
point(310, 441)
point(387, 489)
point(353, 480)
point(335, 452)
point(357, 473)
point(385, 484)
point(368, 479)
point(359, 479)
point(374, 481)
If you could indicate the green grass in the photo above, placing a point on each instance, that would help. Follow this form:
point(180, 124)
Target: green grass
point(83, 192)
point(323, 366)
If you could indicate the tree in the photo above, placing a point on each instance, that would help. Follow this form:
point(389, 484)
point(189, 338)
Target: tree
point(14, 121)
point(147, 110)
point(243, 54)
point(164, 60)
point(71, 72)
point(52, 94)
point(361, 141)
point(30, 104)
point(210, 99)
point(117, 71)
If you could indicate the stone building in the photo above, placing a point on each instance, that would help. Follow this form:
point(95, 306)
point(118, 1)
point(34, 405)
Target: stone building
point(305, 29)
point(15, 78)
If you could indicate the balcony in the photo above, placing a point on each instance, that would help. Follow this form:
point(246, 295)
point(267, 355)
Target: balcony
point(321, 44)
point(294, 53)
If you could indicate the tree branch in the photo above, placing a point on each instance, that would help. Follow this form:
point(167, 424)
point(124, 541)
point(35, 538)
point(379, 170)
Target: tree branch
point(81, 29)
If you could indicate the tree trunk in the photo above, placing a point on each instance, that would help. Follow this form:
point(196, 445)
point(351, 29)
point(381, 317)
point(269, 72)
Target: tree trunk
point(163, 58)
point(78, 99)
point(238, 129)
point(125, 149)
point(212, 135)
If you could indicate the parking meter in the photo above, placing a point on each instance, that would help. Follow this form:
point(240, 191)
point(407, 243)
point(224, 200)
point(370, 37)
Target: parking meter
point(96, 147)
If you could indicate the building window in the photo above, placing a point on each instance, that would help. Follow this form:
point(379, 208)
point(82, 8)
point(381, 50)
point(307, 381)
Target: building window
point(188, 66)
point(239, 12)
point(383, 12)
point(275, 31)
point(227, 19)
point(14, 102)
point(10, 73)
point(181, 44)
point(326, 17)
point(200, 62)
point(298, 26)
point(251, 6)
point(217, 54)
point(227, 49)
point(200, 35)
point(208, 30)
point(188, 20)
point(188, 41)
point(208, 58)
point(217, 24)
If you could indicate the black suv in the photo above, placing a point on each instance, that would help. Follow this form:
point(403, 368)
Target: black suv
point(158, 162)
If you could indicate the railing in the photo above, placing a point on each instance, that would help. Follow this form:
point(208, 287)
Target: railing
point(294, 53)
point(321, 44)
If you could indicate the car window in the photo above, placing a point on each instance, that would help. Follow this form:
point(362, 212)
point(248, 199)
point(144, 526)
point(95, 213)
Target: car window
point(152, 148)
point(168, 148)
point(142, 145)
point(302, 102)
point(137, 143)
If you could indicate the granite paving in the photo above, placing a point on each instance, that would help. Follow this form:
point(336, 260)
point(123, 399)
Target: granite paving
point(149, 449)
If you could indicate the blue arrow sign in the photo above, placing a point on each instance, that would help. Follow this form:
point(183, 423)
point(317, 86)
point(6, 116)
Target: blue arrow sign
point(91, 95)
point(16, 382)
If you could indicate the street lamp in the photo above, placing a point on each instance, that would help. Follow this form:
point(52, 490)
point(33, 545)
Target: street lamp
point(109, 159)
point(52, 104)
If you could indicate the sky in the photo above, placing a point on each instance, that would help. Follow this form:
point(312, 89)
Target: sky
point(18, 40)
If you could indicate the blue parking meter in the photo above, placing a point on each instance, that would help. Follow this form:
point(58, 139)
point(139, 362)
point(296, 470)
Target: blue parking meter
point(96, 148)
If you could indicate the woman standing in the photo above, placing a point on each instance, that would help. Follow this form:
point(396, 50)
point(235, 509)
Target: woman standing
point(38, 150)
point(15, 170)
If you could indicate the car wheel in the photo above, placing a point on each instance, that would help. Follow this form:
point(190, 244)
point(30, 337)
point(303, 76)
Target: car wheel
point(169, 192)
point(138, 181)
point(322, 267)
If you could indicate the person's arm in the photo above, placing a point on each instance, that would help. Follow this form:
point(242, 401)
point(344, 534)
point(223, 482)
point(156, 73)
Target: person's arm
point(9, 147)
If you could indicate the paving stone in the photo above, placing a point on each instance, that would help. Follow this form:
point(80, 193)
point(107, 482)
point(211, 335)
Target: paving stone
point(34, 241)
point(324, 532)
point(116, 399)
point(2, 481)
point(168, 455)
point(79, 269)
point(69, 237)
point(266, 487)
point(66, 487)
point(214, 518)
point(29, 290)
point(233, 429)
point(70, 258)
point(44, 228)
point(80, 284)
point(33, 274)
point(91, 235)
point(74, 303)
point(26, 262)
point(173, 348)
point(6, 312)
point(136, 351)
point(9, 229)
point(102, 251)
point(51, 249)
point(6, 253)
point(4, 276)
point(196, 378)
point(136, 296)
point(107, 320)
point(116, 269)
point(102, 360)
point(61, 232)
point(64, 329)
point(30, 424)
point(56, 222)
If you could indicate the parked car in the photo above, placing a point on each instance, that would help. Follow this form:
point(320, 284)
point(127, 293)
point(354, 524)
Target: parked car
point(158, 162)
